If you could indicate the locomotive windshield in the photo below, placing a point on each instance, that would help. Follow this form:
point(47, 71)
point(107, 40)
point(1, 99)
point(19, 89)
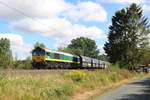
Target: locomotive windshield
point(38, 53)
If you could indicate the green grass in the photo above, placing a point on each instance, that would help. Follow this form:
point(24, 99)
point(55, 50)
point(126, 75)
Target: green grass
point(61, 86)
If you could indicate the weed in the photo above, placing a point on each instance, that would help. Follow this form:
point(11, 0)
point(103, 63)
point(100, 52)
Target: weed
point(76, 75)
point(60, 86)
point(3, 82)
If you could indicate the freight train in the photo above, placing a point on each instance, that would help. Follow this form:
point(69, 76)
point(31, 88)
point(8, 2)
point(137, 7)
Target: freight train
point(44, 58)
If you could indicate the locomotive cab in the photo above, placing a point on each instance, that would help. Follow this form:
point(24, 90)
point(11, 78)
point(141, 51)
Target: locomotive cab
point(38, 54)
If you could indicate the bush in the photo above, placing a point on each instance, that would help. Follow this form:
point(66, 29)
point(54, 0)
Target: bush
point(114, 67)
point(76, 75)
point(69, 89)
point(58, 87)
point(53, 94)
point(3, 82)
point(24, 64)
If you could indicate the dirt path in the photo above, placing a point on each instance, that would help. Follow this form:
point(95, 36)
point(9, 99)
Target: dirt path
point(137, 90)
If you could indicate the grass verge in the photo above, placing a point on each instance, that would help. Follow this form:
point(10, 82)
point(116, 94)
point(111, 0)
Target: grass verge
point(101, 91)
point(65, 86)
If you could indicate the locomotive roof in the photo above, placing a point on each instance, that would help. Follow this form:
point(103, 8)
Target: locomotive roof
point(67, 54)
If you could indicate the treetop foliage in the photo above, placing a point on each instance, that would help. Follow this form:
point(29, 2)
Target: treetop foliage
point(6, 59)
point(128, 36)
point(5, 53)
point(82, 46)
point(38, 44)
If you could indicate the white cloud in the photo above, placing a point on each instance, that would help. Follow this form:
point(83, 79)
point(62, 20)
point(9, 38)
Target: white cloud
point(43, 17)
point(101, 48)
point(16, 9)
point(87, 11)
point(123, 1)
point(146, 8)
point(20, 9)
point(17, 43)
point(59, 29)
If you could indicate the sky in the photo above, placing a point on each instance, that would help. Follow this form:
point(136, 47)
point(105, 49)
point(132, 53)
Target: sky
point(56, 22)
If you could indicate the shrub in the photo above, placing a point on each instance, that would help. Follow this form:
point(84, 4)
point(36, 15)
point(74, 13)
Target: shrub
point(3, 82)
point(23, 64)
point(76, 75)
point(54, 94)
point(69, 89)
point(114, 77)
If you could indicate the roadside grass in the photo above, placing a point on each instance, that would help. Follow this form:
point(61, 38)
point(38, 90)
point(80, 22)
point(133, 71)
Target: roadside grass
point(59, 87)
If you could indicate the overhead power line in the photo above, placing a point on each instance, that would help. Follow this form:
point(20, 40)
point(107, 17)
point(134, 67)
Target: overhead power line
point(25, 15)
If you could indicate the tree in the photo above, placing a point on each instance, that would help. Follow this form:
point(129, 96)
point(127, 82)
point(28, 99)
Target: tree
point(5, 53)
point(128, 37)
point(82, 46)
point(103, 57)
point(38, 44)
point(77, 51)
point(23, 64)
point(146, 57)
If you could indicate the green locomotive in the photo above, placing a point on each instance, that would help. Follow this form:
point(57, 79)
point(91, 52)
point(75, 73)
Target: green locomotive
point(45, 58)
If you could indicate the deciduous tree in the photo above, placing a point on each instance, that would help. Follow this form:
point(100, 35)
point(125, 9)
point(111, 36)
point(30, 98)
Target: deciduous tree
point(38, 44)
point(82, 46)
point(5, 53)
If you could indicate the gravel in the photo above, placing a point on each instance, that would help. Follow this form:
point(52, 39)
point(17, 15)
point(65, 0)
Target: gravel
point(35, 72)
point(31, 72)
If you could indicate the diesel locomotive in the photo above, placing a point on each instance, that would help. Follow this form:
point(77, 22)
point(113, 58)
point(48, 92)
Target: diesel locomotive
point(44, 58)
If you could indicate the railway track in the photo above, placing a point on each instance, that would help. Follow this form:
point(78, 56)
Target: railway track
point(43, 72)
point(32, 72)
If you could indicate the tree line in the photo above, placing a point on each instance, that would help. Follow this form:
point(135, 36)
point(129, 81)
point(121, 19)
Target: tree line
point(127, 45)
point(79, 46)
point(7, 61)
point(85, 47)
point(128, 40)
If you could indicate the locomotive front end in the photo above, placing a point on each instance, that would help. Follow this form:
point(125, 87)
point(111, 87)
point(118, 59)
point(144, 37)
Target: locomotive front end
point(38, 58)
point(38, 55)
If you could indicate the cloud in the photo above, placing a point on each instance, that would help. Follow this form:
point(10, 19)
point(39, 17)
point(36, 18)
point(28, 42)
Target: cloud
point(123, 1)
point(87, 11)
point(17, 43)
point(53, 18)
point(146, 8)
point(101, 48)
point(19, 9)
point(59, 29)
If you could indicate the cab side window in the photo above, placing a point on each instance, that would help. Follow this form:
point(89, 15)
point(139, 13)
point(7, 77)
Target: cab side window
point(47, 55)
point(57, 56)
